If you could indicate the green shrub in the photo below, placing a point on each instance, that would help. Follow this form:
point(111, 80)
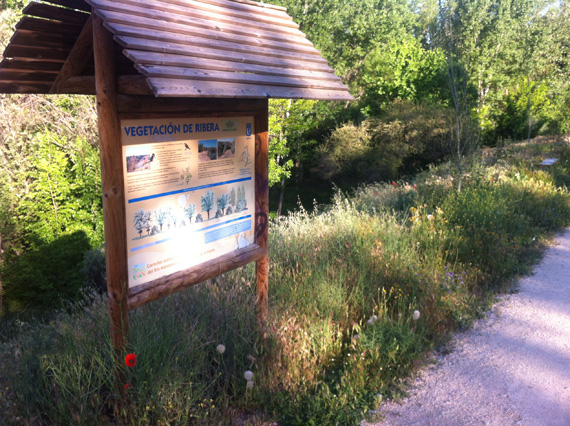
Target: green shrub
point(94, 270)
point(405, 140)
point(48, 276)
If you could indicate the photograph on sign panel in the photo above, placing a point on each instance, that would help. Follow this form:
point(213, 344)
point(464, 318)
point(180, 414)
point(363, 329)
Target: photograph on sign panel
point(207, 150)
point(139, 159)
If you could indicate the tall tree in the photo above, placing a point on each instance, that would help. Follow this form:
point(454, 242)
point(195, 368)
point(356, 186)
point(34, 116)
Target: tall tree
point(207, 202)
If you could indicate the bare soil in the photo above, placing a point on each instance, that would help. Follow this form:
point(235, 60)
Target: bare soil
point(511, 368)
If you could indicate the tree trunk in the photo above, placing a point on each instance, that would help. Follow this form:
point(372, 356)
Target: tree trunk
point(281, 195)
point(529, 105)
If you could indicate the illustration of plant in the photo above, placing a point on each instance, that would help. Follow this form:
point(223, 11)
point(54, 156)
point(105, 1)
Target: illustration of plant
point(139, 221)
point(190, 211)
point(232, 199)
point(223, 202)
point(199, 218)
point(245, 157)
point(147, 219)
point(162, 216)
point(207, 202)
point(186, 176)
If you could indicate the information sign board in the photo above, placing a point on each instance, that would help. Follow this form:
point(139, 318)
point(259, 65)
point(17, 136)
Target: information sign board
point(189, 192)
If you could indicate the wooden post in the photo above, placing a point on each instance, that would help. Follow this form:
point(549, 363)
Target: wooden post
point(262, 208)
point(112, 182)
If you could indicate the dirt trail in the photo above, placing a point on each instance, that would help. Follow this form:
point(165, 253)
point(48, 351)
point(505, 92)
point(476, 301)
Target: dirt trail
point(512, 368)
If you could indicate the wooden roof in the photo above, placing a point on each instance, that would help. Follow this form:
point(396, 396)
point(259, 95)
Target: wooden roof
point(169, 48)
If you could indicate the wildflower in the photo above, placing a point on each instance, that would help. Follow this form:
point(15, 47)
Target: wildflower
point(394, 183)
point(416, 315)
point(373, 319)
point(128, 386)
point(248, 375)
point(415, 186)
point(131, 360)
point(250, 384)
point(220, 349)
point(430, 217)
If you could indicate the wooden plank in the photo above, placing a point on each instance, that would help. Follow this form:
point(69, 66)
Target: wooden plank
point(255, 7)
point(200, 106)
point(199, 41)
point(55, 27)
point(153, 58)
point(47, 54)
point(42, 39)
point(164, 87)
point(24, 87)
point(113, 187)
point(173, 283)
point(42, 10)
point(26, 65)
point(72, 4)
point(133, 43)
point(191, 13)
point(148, 24)
point(262, 210)
point(251, 15)
point(233, 77)
point(78, 57)
point(126, 84)
point(10, 76)
point(200, 22)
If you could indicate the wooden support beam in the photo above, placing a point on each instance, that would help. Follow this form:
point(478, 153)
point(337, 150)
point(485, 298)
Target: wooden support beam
point(197, 106)
point(126, 85)
point(113, 187)
point(262, 209)
point(78, 57)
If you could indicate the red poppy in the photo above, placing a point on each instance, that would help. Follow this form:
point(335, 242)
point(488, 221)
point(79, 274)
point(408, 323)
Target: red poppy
point(131, 360)
point(128, 386)
point(393, 183)
point(375, 193)
point(415, 186)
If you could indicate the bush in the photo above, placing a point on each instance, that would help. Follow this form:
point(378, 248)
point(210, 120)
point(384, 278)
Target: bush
point(406, 140)
point(94, 270)
point(50, 275)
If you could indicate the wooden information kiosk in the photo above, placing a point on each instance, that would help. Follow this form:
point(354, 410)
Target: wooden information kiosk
point(182, 90)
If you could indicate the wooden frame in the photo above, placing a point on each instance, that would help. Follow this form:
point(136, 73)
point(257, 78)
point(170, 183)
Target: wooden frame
point(111, 109)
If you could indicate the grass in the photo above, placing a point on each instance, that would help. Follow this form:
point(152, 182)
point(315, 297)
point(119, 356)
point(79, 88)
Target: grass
point(345, 280)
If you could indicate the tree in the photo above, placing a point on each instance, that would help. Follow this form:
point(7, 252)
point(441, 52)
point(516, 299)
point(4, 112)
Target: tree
point(139, 221)
point(161, 215)
point(232, 199)
point(207, 202)
point(223, 202)
point(190, 211)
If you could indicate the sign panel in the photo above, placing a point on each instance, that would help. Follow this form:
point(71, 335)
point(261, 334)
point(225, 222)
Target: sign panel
point(189, 192)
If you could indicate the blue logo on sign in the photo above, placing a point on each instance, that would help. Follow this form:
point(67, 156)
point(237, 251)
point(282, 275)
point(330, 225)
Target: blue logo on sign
point(248, 129)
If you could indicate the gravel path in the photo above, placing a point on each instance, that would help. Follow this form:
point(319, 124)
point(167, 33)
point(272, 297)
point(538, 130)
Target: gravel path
point(512, 368)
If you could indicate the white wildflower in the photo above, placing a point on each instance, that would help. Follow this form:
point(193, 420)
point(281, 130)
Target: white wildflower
point(430, 216)
point(372, 320)
point(248, 375)
point(220, 349)
point(416, 315)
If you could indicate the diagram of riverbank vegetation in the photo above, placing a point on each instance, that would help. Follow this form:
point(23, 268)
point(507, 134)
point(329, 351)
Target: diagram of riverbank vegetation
point(167, 218)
